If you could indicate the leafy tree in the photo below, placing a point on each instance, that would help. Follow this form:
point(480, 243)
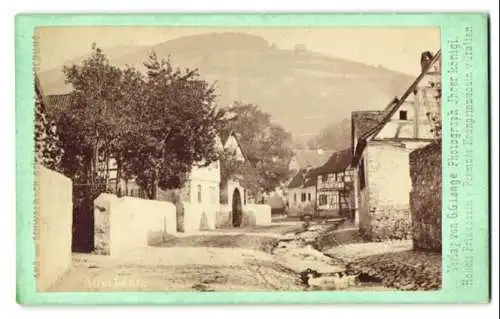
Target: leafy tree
point(178, 127)
point(90, 125)
point(156, 125)
point(266, 145)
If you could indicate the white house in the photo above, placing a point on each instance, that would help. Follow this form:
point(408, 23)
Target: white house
point(382, 142)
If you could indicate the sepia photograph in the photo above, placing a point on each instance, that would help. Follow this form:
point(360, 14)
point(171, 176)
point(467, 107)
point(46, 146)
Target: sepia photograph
point(204, 159)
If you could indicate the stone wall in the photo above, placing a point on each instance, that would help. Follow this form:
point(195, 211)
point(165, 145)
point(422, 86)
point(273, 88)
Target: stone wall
point(384, 208)
point(122, 224)
point(425, 197)
point(256, 215)
point(53, 222)
point(223, 217)
point(387, 223)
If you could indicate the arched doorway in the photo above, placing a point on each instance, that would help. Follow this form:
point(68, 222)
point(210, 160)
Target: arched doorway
point(237, 209)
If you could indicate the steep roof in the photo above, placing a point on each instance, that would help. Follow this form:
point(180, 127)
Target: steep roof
point(393, 106)
point(297, 179)
point(362, 122)
point(311, 158)
point(304, 178)
point(338, 162)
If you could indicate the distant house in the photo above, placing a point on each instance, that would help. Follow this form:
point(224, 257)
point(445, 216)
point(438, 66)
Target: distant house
point(335, 186)
point(381, 143)
point(301, 192)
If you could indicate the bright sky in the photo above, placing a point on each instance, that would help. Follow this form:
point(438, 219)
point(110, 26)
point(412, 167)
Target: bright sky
point(393, 48)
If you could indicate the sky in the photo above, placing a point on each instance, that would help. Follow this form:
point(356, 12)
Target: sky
point(395, 48)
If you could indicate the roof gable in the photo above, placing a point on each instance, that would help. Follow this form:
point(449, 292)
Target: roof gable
point(338, 162)
point(233, 144)
point(297, 180)
point(303, 178)
point(392, 107)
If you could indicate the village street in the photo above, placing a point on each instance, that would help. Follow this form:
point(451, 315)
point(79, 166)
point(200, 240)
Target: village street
point(266, 258)
point(226, 260)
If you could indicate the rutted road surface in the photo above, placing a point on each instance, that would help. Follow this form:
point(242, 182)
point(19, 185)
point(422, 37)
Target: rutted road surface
point(257, 259)
point(232, 260)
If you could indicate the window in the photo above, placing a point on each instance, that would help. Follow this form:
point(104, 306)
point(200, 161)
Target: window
point(348, 176)
point(324, 178)
point(199, 194)
point(362, 182)
point(403, 115)
point(309, 196)
point(334, 200)
point(303, 197)
point(323, 199)
point(295, 197)
point(344, 198)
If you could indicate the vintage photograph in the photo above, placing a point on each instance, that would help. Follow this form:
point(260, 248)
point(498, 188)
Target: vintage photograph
point(174, 159)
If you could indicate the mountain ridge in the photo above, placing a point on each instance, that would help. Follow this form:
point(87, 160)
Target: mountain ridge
point(303, 91)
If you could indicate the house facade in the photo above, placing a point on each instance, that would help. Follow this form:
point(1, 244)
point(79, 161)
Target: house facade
point(233, 195)
point(301, 193)
point(382, 142)
point(203, 196)
point(335, 187)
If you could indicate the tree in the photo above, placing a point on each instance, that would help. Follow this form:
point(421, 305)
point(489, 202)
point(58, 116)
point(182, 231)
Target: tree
point(267, 147)
point(156, 125)
point(91, 123)
point(178, 125)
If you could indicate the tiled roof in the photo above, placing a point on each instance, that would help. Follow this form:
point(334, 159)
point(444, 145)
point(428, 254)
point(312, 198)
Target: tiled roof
point(367, 123)
point(58, 102)
point(304, 178)
point(364, 121)
point(311, 158)
point(338, 162)
point(297, 180)
point(311, 178)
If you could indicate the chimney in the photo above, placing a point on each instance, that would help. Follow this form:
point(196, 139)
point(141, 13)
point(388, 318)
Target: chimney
point(425, 58)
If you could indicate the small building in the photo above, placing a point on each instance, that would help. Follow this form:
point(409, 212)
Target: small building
point(381, 144)
point(233, 195)
point(335, 187)
point(301, 193)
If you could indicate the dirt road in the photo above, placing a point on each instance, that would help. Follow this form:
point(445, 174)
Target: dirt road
point(219, 261)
